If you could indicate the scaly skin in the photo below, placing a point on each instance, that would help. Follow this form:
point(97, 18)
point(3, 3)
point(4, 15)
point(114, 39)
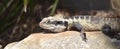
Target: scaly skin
point(82, 24)
point(89, 23)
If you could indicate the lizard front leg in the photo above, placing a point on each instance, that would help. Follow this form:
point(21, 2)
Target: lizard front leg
point(78, 27)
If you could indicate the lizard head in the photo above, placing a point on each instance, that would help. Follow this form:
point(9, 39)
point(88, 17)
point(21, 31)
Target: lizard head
point(53, 24)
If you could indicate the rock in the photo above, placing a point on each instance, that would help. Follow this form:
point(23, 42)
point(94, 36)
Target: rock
point(63, 40)
point(10, 45)
point(1, 47)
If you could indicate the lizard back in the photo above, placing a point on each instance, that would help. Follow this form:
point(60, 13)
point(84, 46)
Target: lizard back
point(91, 23)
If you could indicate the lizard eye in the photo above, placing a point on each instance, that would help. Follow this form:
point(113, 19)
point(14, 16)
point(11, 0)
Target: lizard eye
point(59, 23)
point(55, 22)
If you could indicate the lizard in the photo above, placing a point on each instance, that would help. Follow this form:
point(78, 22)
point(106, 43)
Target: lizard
point(82, 23)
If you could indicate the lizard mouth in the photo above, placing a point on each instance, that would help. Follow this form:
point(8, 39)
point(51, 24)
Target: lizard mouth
point(53, 27)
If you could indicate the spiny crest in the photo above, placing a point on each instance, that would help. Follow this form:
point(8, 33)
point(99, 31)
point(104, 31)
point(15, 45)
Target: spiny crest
point(93, 18)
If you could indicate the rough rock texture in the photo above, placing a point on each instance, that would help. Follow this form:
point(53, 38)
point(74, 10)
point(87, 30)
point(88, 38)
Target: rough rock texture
point(63, 40)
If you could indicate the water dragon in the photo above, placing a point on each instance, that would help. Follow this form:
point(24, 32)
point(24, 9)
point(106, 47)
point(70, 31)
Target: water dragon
point(82, 23)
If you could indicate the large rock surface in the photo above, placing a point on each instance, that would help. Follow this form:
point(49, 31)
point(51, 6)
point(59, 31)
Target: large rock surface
point(63, 40)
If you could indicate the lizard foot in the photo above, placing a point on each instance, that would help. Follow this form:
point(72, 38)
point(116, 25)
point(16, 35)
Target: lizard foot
point(84, 38)
point(79, 28)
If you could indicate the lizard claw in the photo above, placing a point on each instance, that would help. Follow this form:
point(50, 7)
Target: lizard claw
point(80, 28)
point(84, 38)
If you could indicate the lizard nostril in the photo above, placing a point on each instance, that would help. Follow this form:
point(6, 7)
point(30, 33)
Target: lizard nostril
point(48, 21)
